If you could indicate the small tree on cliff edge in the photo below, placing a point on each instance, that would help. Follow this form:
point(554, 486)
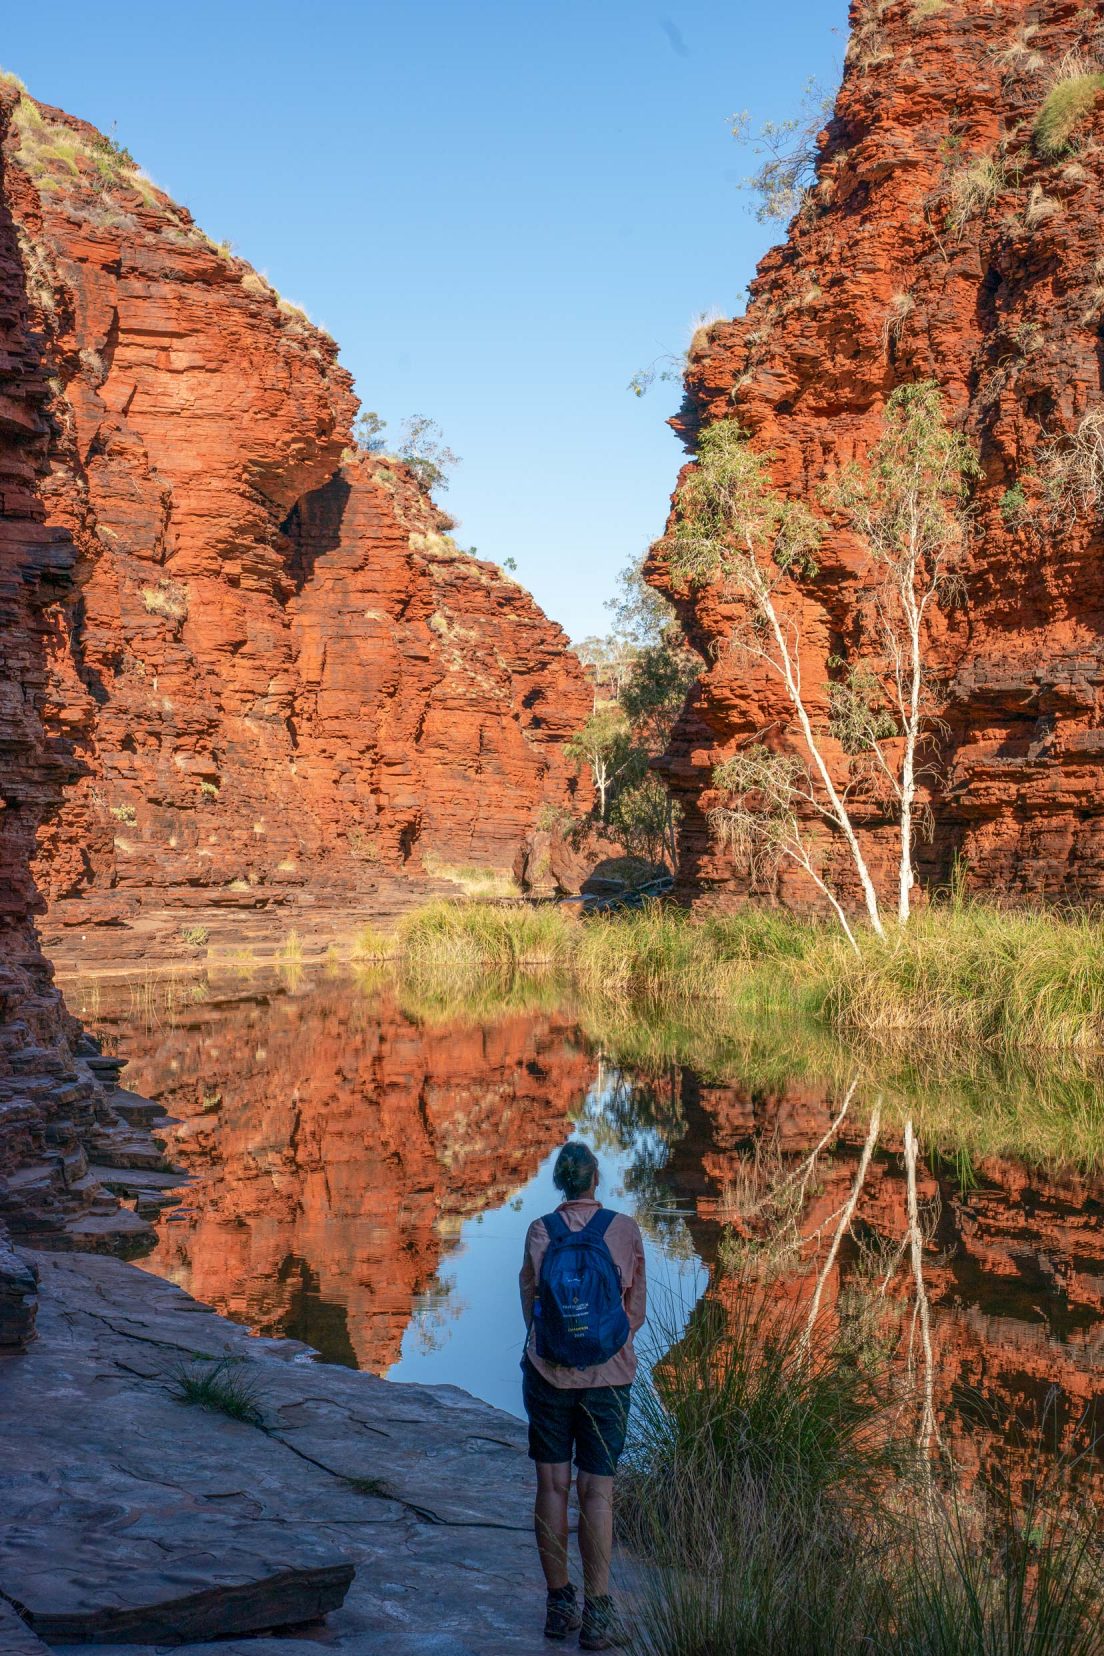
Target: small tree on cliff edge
point(734, 527)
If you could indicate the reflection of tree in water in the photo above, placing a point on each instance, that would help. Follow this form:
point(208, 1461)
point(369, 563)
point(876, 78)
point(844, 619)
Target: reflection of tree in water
point(640, 1116)
point(433, 1309)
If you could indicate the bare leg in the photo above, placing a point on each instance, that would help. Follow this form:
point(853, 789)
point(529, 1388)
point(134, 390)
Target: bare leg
point(550, 1519)
point(595, 1532)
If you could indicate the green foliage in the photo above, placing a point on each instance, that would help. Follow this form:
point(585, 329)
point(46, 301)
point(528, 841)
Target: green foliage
point(226, 1388)
point(665, 368)
point(784, 181)
point(642, 617)
point(426, 453)
point(112, 160)
point(774, 777)
point(368, 432)
point(605, 743)
point(758, 821)
point(656, 690)
point(908, 505)
point(53, 149)
point(1068, 105)
point(781, 1515)
point(606, 733)
point(195, 936)
point(960, 979)
point(645, 819)
point(730, 517)
point(477, 936)
point(370, 944)
point(647, 665)
point(1013, 505)
point(858, 716)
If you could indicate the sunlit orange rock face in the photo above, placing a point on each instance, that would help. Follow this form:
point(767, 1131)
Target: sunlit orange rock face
point(874, 288)
point(1011, 1265)
point(338, 1145)
point(276, 673)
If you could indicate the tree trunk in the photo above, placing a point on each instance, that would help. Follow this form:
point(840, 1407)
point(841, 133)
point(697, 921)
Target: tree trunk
point(839, 810)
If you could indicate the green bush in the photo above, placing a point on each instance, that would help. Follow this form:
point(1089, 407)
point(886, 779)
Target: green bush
point(1013, 505)
point(1070, 101)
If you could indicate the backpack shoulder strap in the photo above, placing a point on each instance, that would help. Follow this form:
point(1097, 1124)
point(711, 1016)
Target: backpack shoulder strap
point(556, 1226)
point(600, 1222)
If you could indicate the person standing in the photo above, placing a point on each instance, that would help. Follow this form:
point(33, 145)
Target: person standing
point(584, 1296)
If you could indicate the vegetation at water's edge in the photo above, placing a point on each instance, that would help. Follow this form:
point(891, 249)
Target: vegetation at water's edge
point(771, 1486)
point(985, 1026)
point(960, 977)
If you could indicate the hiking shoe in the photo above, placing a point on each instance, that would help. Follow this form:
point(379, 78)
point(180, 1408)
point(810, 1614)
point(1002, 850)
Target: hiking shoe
point(562, 1616)
point(603, 1628)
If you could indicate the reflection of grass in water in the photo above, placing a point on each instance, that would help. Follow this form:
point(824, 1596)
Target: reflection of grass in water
point(478, 997)
point(984, 1105)
point(745, 1008)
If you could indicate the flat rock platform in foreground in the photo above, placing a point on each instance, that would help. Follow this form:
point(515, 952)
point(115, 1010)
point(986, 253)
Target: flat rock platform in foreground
point(134, 1523)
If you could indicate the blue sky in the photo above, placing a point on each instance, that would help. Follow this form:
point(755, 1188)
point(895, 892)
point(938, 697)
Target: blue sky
point(501, 209)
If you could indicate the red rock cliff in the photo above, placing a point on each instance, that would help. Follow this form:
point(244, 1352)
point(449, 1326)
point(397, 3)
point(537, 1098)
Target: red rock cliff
point(53, 1110)
point(937, 242)
point(277, 674)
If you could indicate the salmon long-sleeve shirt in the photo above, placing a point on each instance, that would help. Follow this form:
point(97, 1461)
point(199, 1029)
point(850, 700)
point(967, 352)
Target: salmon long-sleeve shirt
point(626, 1244)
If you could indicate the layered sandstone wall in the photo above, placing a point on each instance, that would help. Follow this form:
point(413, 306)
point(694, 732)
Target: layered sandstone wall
point(433, 699)
point(936, 243)
point(277, 674)
point(53, 1110)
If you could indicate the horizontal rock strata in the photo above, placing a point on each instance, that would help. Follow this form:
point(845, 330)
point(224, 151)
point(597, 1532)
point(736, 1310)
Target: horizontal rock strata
point(938, 241)
point(54, 1108)
point(402, 1511)
point(276, 679)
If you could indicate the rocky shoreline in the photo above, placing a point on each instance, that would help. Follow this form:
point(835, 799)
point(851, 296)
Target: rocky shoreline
point(363, 1514)
point(136, 1522)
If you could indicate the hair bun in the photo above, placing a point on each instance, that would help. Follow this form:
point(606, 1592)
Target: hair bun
point(575, 1169)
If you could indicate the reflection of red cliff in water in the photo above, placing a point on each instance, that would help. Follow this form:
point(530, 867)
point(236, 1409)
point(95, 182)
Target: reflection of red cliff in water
point(1013, 1268)
point(338, 1146)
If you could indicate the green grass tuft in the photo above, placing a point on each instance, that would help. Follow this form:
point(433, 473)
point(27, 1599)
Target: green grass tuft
point(225, 1388)
point(1068, 104)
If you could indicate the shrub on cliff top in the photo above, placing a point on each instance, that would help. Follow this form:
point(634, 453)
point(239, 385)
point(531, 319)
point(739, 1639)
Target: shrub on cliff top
point(1070, 101)
point(49, 147)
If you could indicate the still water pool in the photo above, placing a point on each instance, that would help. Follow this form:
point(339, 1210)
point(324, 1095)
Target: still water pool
point(364, 1170)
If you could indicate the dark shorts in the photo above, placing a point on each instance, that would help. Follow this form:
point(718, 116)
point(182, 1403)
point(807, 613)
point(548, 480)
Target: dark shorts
point(593, 1420)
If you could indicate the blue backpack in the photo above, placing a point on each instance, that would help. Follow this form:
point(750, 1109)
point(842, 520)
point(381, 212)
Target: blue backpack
point(578, 1313)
